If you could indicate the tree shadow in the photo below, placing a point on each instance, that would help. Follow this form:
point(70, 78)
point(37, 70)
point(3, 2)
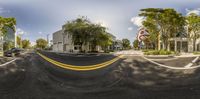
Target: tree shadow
point(140, 73)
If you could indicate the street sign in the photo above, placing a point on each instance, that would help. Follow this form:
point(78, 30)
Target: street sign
point(142, 35)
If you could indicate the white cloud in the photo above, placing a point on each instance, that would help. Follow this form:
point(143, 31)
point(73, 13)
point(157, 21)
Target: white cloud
point(195, 11)
point(2, 10)
point(21, 31)
point(130, 29)
point(137, 21)
point(40, 33)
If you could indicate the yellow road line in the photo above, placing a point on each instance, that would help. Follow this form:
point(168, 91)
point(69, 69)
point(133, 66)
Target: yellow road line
point(80, 68)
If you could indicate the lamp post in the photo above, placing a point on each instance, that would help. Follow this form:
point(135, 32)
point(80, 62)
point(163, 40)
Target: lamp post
point(1, 44)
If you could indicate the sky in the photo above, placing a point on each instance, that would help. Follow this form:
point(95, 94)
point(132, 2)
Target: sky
point(38, 18)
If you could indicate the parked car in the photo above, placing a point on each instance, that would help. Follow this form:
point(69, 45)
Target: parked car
point(13, 52)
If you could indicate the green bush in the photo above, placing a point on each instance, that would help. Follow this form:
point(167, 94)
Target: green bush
point(196, 53)
point(158, 52)
point(1, 53)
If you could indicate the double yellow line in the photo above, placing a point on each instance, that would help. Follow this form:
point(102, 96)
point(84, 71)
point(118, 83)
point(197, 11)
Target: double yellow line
point(80, 68)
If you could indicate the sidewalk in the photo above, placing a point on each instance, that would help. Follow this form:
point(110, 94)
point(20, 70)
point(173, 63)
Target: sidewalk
point(130, 52)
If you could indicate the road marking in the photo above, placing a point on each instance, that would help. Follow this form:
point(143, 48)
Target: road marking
point(7, 62)
point(171, 67)
point(80, 68)
point(188, 65)
point(193, 61)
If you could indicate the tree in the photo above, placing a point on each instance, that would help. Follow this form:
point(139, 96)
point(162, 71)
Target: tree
point(167, 21)
point(125, 43)
point(8, 45)
point(25, 44)
point(136, 44)
point(41, 43)
point(84, 32)
point(153, 30)
point(78, 31)
point(99, 37)
point(105, 40)
point(19, 41)
point(193, 22)
point(6, 22)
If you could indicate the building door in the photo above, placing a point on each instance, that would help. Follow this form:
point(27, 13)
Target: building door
point(185, 46)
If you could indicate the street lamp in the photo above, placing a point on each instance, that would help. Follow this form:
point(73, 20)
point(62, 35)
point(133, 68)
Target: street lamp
point(1, 44)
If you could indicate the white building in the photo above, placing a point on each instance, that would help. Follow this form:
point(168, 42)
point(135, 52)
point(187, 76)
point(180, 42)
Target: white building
point(62, 42)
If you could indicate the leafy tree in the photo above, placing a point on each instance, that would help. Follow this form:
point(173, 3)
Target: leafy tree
point(136, 44)
point(25, 44)
point(153, 30)
point(167, 21)
point(84, 32)
point(19, 41)
point(6, 22)
point(8, 45)
point(78, 31)
point(105, 40)
point(125, 43)
point(193, 22)
point(41, 43)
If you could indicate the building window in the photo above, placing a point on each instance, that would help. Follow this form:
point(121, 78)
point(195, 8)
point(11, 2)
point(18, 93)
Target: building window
point(75, 48)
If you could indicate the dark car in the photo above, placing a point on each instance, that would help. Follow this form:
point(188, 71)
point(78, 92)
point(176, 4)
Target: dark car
point(12, 52)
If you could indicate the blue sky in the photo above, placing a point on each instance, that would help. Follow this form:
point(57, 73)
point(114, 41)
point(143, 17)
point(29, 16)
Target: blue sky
point(37, 18)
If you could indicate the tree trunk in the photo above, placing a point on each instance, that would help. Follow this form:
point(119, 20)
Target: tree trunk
point(168, 46)
point(81, 49)
point(194, 45)
point(158, 43)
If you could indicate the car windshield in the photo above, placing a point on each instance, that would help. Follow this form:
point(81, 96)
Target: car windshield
point(99, 49)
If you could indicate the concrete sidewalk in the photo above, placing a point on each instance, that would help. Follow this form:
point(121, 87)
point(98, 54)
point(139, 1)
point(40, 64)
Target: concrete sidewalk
point(130, 52)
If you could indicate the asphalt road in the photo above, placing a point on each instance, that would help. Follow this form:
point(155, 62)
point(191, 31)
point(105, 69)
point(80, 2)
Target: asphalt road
point(132, 77)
